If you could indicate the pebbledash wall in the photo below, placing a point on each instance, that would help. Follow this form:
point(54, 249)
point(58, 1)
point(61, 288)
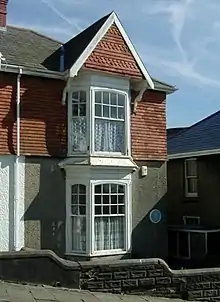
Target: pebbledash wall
point(11, 207)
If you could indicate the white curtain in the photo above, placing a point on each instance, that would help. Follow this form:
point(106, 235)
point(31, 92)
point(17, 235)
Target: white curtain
point(109, 233)
point(78, 135)
point(79, 233)
point(109, 135)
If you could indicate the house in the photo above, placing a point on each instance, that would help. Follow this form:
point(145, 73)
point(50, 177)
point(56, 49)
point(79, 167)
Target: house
point(194, 191)
point(83, 144)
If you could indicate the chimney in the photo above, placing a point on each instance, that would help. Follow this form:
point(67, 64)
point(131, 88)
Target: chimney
point(3, 13)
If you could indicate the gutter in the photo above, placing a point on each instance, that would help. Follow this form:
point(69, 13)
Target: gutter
point(17, 165)
point(34, 72)
point(193, 154)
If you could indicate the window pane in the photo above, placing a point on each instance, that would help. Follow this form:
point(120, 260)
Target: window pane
point(114, 199)
point(121, 189)
point(106, 111)
point(74, 210)
point(82, 210)
point(75, 110)
point(121, 199)
point(121, 210)
point(82, 199)
point(98, 110)
point(191, 168)
point(105, 98)
point(74, 199)
point(106, 210)
point(75, 189)
point(109, 136)
point(113, 97)
point(121, 114)
point(98, 199)
point(79, 233)
point(114, 188)
point(75, 96)
point(105, 199)
point(83, 96)
point(121, 100)
point(78, 138)
point(98, 96)
point(109, 233)
point(98, 210)
point(192, 185)
point(98, 189)
point(106, 188)
point(113, 112)
point(82, 110)
point(82, 189)
point(113, 209)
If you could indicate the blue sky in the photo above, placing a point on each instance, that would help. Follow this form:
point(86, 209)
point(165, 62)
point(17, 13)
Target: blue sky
point(178, 41)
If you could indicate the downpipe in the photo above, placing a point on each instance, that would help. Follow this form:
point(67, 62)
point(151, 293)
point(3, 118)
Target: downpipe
point(17, 165)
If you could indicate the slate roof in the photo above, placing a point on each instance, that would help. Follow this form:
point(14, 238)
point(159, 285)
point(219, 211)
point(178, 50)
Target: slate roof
point(171, 132)
point(27, 48)
point(202, 136)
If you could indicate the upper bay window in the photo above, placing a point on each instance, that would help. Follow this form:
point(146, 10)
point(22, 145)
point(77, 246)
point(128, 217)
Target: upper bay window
point(98, 122)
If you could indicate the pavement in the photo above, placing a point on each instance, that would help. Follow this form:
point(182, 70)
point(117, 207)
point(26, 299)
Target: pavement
point(11, 292)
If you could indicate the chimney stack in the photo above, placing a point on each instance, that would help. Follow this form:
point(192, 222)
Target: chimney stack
point(3, 13)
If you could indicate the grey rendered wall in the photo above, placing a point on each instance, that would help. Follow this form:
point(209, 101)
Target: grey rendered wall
point(149, 192)
point(44, 205)
point(206, 205)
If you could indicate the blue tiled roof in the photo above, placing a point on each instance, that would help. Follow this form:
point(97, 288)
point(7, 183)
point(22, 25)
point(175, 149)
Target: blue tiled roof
point(202, 136)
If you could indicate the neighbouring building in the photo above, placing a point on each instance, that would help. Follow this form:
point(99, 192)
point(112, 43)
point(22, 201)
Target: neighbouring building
point(83, 144)
point(194, 191)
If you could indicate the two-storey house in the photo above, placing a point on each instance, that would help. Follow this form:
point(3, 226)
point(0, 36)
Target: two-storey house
point(82, 144)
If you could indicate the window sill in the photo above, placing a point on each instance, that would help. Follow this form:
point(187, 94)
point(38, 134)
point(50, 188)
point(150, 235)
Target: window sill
point(98, 254)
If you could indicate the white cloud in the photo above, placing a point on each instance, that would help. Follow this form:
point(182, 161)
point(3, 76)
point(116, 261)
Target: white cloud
point(71, 22)
point(187, 60)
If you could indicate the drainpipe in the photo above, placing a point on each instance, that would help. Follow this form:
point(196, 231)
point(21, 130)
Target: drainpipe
point(17, 167)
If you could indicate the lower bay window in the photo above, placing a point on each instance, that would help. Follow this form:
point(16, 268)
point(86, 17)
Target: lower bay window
point(98, 215)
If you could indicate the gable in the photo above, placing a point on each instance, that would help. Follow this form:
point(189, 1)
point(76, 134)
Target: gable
point(113, 55)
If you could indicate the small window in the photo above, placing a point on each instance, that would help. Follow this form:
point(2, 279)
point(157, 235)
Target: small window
point(78, 122)
point(109, 220)
point(78, 217)
point(191, 180)
point(191, 220)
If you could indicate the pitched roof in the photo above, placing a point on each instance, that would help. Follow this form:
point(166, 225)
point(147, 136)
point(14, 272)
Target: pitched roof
point(202, 138)
point(27, 48)
point(171, 132)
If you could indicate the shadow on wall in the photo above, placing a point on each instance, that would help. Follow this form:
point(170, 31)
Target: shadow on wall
point(43, 117)
point(44, 205)
point(150, 192)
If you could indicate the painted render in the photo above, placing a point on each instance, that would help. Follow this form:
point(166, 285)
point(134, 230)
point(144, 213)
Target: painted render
point(45, 208)
point(10, 234)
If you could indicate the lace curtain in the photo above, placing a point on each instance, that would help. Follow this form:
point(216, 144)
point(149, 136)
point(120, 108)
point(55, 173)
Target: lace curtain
point(79, 141)
point(109, 135)
point(109, 233)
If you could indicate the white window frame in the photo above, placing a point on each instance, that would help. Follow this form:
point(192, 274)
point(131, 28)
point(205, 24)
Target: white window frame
point(90, 185)
point(195, 218)
point(187, 193)
point(126, 123)
point(70, 152)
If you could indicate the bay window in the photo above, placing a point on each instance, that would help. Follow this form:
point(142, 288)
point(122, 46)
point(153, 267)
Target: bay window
point(98, 122)
point(98, 221)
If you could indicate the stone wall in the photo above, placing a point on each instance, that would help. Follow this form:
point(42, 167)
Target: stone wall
point(149, 276)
